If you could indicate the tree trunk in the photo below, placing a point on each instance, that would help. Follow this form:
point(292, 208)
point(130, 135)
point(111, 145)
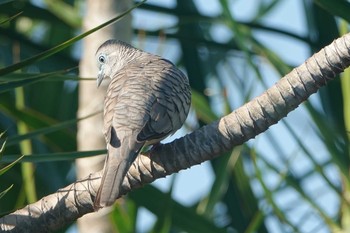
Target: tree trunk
point(91, 98)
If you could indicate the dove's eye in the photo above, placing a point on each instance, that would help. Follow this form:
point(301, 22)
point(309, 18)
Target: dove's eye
point(102, 58)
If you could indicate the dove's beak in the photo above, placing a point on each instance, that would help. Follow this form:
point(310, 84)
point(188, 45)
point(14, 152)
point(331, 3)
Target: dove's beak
point(100, 77)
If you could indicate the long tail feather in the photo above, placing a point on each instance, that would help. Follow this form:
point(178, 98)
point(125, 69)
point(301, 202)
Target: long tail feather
point(116, 166)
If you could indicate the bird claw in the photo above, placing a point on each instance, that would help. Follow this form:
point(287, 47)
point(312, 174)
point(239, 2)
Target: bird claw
point(152, 149)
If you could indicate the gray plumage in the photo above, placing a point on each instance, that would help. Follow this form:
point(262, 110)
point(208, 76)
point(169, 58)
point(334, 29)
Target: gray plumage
point(147, 100)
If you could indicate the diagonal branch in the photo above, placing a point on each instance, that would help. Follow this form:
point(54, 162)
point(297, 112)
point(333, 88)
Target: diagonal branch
point(67, 204)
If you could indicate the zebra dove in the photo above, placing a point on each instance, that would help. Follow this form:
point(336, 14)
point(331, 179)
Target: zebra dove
point(147, 100)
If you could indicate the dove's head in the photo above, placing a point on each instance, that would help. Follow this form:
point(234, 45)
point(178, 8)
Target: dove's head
point(112, 56)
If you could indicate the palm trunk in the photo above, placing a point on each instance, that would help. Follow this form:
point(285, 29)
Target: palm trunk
point(91, 98)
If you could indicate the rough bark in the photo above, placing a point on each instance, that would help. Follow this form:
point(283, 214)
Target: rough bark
point(90, 130)
point(206, 143)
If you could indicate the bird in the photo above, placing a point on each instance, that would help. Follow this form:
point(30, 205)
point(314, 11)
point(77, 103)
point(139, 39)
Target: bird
point(147, 100)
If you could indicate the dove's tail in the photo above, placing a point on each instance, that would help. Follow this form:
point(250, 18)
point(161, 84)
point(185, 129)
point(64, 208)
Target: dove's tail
point(116, 166)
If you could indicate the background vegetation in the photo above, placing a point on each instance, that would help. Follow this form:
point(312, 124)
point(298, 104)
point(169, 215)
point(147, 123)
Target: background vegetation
point(294, 178)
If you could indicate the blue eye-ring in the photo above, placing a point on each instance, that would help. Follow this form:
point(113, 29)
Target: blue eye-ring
point(102, 58)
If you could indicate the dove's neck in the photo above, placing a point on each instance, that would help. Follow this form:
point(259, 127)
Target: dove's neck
point(123, 57)
point(129, 54)
point(134, 55)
